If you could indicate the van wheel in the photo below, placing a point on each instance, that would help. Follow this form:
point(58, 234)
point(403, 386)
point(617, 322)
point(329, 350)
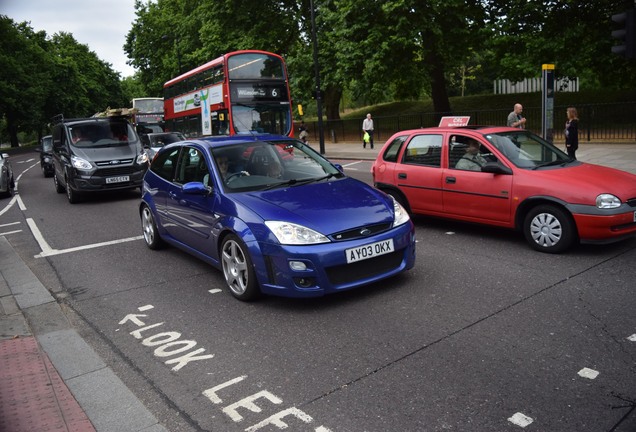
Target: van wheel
point(58, 187)
point(73, 196)
point(548, 228)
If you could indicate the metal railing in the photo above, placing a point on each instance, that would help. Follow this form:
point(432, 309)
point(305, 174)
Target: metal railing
point(597, 122)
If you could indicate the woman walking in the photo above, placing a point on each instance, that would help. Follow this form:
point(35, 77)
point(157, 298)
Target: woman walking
point(572, 132)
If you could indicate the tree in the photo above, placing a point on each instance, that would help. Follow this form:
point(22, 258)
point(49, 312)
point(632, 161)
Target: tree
point(23, 79)
point(574, 35)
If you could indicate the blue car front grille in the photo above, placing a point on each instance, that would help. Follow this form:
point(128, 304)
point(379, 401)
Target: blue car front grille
point(347, 273)
point(361, 232)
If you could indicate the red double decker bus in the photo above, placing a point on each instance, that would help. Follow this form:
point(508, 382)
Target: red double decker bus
point(241, 92)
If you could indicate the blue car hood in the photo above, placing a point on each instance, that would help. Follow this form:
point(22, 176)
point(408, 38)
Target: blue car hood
point(327, 206)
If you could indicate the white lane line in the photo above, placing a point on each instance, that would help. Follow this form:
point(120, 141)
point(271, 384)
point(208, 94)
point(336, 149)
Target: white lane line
point(588, 373)
point(632, 338)
point(352, 163)
point(49, 251)
point(44, 246)
point(520, 419)
point(8, 206)
point(9, 224)
point(214, 291)
point(21, 203)
point(145, 308)
point(91, 246)
point(9, 232)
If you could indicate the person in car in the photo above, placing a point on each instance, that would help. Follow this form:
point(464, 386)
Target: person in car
point(472, 160)
point(274, 170)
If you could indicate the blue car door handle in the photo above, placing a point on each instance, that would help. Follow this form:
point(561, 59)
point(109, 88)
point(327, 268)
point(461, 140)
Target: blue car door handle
point(451, 180)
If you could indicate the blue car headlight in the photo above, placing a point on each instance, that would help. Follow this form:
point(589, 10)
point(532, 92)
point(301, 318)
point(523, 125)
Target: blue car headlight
point(293, 234)
point(401, 216)
point(607, 201)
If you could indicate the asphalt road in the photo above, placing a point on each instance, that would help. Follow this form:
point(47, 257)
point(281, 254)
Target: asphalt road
point(484, 334)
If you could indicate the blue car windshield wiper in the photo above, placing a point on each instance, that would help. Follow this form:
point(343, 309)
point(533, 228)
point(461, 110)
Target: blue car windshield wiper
point(294, 182)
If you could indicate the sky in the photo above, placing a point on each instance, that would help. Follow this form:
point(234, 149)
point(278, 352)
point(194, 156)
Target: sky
point(100, 24)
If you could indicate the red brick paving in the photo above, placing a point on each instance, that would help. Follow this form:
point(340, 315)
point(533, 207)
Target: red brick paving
point(33, 396)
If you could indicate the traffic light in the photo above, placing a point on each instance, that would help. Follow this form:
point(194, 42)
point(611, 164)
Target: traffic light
point(625, 33)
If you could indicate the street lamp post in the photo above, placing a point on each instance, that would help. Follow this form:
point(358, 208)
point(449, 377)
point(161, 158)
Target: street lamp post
point(321, 133)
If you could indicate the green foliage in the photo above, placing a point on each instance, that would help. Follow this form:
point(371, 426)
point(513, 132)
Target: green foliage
point(52, 75)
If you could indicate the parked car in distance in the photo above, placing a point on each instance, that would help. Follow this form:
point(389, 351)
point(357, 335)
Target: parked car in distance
point(508, 178)
point(7, 183)
point(96, 154)
point(46, 155)
point(152, 142)
point(274, 215)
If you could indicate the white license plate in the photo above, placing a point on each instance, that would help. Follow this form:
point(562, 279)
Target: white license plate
point(119, 179)
point(369, 251)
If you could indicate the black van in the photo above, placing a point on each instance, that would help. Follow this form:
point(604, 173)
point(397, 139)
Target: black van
point(96, 154)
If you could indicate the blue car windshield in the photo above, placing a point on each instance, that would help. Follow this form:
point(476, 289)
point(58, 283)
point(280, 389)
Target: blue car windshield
point(526, 150)
point(262, 165)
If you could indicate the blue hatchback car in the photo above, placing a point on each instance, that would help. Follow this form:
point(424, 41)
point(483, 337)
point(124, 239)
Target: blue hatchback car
point(274, 215)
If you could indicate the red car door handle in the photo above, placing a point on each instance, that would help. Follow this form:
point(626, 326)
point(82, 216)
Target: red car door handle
point(451, 180)
point(402, 175)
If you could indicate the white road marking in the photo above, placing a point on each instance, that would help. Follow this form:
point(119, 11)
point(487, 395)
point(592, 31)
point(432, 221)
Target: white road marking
point(588, 373)
point(21, 203)
point(351, 164)
point(145, 308)
point(214, 291)
point(9, 224)
point(8, 206)
point(49, 251)
point(520, 419)
point(9, 232)
point(632, 338)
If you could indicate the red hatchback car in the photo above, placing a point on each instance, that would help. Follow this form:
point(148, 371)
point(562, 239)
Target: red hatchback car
point(510, 178)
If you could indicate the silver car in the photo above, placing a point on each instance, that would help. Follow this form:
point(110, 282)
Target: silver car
point(6, 176)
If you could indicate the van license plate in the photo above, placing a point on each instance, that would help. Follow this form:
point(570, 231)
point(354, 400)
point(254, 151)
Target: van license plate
point(369, 251)
point(119, 179)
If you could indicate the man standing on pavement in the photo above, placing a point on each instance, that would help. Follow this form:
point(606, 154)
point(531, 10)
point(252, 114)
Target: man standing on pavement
point(367, 127)
point(515, 119)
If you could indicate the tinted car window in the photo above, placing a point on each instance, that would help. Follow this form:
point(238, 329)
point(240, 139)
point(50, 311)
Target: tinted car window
point(47, 144)
point(424, 150)
point(192, 166)
point(165, 163)
point(393, 150)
